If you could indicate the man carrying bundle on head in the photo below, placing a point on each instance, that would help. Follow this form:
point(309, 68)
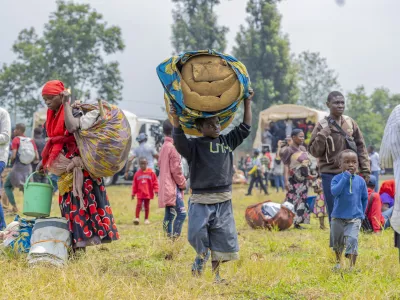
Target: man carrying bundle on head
point(211, 223)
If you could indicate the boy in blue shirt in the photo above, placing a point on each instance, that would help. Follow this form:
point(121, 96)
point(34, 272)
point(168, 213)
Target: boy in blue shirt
point(350, 202)
point(210, 158)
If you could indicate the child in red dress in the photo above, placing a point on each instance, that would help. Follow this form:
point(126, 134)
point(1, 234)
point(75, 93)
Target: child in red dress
point(144, 185)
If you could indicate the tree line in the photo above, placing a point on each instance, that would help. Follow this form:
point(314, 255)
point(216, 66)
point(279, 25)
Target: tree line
point(277, 75)
point(71, 48)
point(76, 40)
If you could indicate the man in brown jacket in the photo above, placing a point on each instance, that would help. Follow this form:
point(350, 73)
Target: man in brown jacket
point(328, 140)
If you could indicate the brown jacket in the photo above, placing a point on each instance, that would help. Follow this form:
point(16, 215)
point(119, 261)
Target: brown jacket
point(327, 148)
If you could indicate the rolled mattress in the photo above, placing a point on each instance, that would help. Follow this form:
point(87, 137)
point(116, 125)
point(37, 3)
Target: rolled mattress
point(203, 84)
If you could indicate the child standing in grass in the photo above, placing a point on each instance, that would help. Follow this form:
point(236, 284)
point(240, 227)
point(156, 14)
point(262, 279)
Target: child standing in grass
point(350, 202)
point(211, 222)
point(173, 183)
point(144, 186)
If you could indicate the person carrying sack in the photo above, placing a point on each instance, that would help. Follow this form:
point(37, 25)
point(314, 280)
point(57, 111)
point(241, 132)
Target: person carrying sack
point(83, 198)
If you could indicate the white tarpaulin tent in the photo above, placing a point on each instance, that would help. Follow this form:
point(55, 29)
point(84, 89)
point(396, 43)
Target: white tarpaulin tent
point(284, 112)
point(39, 118)
point(133, 121)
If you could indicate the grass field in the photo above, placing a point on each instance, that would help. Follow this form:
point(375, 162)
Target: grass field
point(273, 265)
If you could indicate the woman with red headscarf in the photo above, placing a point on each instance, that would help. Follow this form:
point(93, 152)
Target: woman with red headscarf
point(83, 200)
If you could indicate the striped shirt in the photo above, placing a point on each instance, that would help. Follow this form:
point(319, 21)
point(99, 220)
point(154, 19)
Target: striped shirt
point(390, 157)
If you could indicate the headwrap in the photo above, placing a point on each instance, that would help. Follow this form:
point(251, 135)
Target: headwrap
point(388, 187)
point(55, 126)
point(53, 87)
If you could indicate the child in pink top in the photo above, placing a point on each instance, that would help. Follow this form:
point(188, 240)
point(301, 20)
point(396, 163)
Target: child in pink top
point(172, 185)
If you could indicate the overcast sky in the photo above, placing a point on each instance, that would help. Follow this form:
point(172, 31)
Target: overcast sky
point(360, 39)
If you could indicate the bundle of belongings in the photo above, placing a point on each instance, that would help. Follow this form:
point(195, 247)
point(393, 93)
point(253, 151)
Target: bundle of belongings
point(270, 215)
point(203, 84)
point(104, 139)
point(16, 236)
point(50, 242)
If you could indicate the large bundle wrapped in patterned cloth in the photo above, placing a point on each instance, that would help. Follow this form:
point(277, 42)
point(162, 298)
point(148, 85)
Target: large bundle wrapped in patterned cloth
point(104, 147)
point(203, 84)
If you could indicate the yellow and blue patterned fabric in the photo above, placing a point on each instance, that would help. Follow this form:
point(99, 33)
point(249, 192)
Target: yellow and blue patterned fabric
point(22, 244)
point(170, 78)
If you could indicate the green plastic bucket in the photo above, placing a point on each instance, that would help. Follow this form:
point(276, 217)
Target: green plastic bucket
point(37, 198)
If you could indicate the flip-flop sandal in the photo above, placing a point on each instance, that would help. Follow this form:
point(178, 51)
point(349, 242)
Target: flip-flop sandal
point(199, 263)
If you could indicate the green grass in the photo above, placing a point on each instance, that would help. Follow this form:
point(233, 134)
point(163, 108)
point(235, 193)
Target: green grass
point(273, 265)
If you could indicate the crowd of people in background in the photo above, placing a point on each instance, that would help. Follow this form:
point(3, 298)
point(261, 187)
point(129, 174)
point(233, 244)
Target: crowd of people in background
point(336, 142)
point(345, 179)
point(280, 130)
point(29, 150)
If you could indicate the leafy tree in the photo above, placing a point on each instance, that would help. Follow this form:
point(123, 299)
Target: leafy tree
point(265, 51)
point(394, 101)
point(360, 109)
point(371, 112)
point(195, 26)
point(316, 80)
point(71, 49)
point(382, 102)
point(358, 103)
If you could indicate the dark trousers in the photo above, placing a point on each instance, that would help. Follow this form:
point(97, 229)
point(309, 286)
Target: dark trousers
point(256, 178)
point(174, 217)
point(326, 185)
point(2, 219)
point(9, 189)
point(266, 177)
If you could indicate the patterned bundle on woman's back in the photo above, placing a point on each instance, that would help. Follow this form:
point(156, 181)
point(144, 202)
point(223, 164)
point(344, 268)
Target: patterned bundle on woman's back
point(104, 147)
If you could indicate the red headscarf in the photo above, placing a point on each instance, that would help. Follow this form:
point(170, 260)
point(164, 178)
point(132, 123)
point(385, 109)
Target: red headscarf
point(55, 126)
point(388, 187)
point(53, 87)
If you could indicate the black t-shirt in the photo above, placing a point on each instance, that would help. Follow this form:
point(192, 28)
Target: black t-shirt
point(210, 160)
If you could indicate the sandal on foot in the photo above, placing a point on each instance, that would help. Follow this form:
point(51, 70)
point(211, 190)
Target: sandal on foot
point(219, 280)
point(336, 268)
point(199, 263)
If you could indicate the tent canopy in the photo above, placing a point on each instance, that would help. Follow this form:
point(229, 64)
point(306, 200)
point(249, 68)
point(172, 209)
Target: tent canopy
point(284, 112)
